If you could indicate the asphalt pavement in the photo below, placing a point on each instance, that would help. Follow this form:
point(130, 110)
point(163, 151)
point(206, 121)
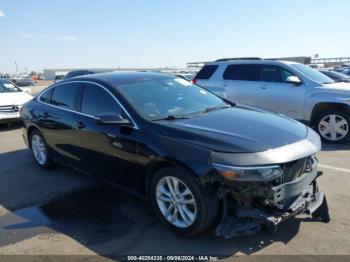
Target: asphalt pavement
point(61, 212)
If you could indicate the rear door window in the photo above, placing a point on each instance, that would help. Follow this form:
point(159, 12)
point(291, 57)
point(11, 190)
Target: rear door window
point(206, 72)
point(65, 95)
point(243, 72)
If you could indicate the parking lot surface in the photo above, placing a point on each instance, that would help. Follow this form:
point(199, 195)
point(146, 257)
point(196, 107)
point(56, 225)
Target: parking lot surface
point(64, 212)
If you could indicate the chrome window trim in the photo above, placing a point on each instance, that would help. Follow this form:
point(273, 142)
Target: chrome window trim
point(80, 113)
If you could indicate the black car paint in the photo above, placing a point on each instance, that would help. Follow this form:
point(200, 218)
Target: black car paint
point(128, 154)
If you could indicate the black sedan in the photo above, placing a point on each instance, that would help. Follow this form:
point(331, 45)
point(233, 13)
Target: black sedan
point(198, 158)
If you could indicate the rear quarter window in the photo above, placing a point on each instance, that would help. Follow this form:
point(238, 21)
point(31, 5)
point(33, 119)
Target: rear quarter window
point(206, 72)
point(46, 96)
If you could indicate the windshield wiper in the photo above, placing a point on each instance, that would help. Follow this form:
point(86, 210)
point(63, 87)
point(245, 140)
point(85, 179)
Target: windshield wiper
point(170, 117)
point(208, 109)
point(174, 117)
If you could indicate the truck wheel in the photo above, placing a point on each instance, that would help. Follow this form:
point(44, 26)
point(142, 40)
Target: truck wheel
point(183, 205)
point(333, 126)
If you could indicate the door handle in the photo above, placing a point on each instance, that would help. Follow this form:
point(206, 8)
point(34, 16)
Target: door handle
point(45, 115)
point(263, 87)
point(79, 125)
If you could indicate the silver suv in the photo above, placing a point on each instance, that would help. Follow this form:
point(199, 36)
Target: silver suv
point(293, 89)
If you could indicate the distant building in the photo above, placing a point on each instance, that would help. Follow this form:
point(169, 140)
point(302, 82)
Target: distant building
point(331, 62)
point(50, 74)
point(307, 60)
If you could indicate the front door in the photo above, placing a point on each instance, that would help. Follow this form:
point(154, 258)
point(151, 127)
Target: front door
point(274, 94)
point(56, 119)
point(108, 150)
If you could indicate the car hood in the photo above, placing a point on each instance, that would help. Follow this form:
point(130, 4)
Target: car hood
point(338, 86)
point(236, 129)
point(15, 98)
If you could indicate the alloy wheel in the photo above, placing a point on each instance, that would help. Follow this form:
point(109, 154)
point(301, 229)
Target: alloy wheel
point(39, 149)
point(176, 202)
point(333, 127)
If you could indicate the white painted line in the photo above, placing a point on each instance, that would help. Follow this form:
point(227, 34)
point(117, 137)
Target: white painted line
point(335, 168)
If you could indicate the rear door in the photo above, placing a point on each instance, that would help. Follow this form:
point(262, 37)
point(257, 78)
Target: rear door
point(240, 82)
point(108, 150)
point(209, 77)
point(274, 94)
point(56, 119)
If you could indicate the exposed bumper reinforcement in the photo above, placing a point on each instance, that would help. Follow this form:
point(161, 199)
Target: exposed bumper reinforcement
point(250, 221)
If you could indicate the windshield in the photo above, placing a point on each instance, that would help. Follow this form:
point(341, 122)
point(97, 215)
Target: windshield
point(313, 74)
point(8, 87)
point(169, 97)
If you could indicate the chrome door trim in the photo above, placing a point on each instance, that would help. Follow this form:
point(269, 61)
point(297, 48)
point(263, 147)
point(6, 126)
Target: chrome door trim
point(80, 113)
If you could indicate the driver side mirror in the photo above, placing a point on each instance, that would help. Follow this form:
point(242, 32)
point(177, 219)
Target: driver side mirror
point(293, 80)
point(108, 119)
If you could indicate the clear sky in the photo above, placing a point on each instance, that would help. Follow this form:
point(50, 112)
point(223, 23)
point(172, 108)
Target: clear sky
point(151, 33)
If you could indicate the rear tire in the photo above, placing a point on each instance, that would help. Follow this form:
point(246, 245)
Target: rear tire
point(40, 150)
point(333, 126)
point(185, 207)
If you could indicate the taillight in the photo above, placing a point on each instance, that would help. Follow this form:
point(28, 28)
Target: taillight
point(20, 109)
point(194, 81)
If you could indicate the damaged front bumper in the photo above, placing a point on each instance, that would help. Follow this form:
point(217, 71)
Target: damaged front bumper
point(262, 189)
point(302, 195)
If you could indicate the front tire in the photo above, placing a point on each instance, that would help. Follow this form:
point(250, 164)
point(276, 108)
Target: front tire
point(333, 126)
point(183, 205)
point(40, 150)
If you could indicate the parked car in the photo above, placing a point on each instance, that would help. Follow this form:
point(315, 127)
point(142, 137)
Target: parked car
point(27, 89)
point(23, 81)
point(11, 101)
point(344, 70)
point(75, 73)
point(179, 146)
point(58, 78)
point(336, 76)
point(290, 88)
point(82, 72)
point(41, 77)
point(186, 76)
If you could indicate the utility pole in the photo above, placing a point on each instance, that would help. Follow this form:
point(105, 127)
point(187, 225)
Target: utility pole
point(17, 73)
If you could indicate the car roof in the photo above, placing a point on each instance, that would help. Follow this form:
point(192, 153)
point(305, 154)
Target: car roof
point(120, 78)
point(253, 61)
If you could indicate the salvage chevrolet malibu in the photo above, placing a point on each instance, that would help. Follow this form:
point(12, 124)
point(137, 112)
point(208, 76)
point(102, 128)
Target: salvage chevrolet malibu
point(199, 159)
